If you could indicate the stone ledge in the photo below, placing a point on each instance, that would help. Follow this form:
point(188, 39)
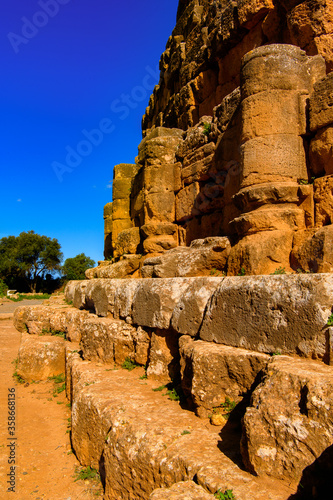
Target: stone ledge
point(141, 441)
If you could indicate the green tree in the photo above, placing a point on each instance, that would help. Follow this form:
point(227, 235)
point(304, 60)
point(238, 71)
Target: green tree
point(75, 267)
point(28, 257)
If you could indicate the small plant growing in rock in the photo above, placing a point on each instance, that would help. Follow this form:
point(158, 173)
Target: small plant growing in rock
point(227, 495)
point(279, 270)
point(225, 408)
point(207, 127)
point(185, 432)
point(160, 388)
point(55, 333)
point(330, 320)
point(173, 394)
point(87, 473)
point(129, 364)
point(18, 378)
point(242, 272)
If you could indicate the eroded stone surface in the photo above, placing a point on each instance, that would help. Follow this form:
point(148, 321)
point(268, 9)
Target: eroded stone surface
point(271, 313)
point(40, 357)
point(289, 423)
point(212, 372)
point(142, 440)
point(186, 490)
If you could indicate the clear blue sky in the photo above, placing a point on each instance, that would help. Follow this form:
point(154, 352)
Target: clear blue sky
point(76, 76)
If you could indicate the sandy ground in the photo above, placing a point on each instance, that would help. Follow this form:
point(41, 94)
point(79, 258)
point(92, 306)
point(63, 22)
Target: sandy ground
point(40, 445)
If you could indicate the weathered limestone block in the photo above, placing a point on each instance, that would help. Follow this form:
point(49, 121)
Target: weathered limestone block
point(159, 206)
point(273, 112)
point(313, 250)
point(108, 340)
point(270, 218)
point(188, 314)
point(159, 178)
point(321, 103)
point(163, 356)
point(203, 258)
point(121, 208)
point(142, 442)
point(39, 320)
point(261, 253)
point(40, 357)
point(212, 372)
point(263, 194)
point(310, 20)
point(155, 300)
point(271, 313)
point(121, 269)
point(197, 171)
point(105, 296)
point(321, 152)
point(273, 158)
point(280, 67)
point(323, 197)
point(250, 12)
point(225, 112)
point(128, 242)
point(123, 298)
point(185, 201)
point(181, 491)
point(159, 149)
point(289, 423)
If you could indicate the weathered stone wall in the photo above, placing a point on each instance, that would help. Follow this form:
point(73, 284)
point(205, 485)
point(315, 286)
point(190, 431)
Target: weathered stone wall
point(261, 343)
point(235, 133)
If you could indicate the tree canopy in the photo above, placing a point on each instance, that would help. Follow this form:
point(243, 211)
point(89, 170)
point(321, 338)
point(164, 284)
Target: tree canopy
point(28, 258)
point(75, 267)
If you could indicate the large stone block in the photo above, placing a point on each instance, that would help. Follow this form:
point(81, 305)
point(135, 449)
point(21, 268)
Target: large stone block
point(273, 112)
point(158, 150)
point(121, 208)
point(40, 357)
point(270, 218)
point(128, 242)
point(121, 188)
point(273, 158)
point(250, 12)
point(185, 201)
point(313, 250)
point(163, 356)
point(261, 253)
point(286, 314)
point(107, 340)
point(159, 207)
point(310, 19)
point(206, 257)
point(280, 67)
point(155, 300)
point(289, 423)
point(211, 373)
point(159, 178)
point(188, 314)
point(181, 491)
point(321, 151)
point(323, 197)
point(321, 103)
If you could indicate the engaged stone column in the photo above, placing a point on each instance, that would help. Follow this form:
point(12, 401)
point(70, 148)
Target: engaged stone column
point(157, 153)
point(276, 83)
point(108, 230)
point(274, 198)
point(125, 237)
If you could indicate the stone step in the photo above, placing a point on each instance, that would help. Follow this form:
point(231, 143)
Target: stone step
point(144, 441)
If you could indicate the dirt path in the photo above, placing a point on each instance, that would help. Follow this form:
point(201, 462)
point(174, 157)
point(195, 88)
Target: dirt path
point(40, 446)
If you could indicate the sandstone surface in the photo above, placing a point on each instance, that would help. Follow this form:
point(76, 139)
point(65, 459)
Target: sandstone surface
point(289, 423)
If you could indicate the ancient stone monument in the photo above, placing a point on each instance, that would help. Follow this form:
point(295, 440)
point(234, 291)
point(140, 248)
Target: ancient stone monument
point(222, 234)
